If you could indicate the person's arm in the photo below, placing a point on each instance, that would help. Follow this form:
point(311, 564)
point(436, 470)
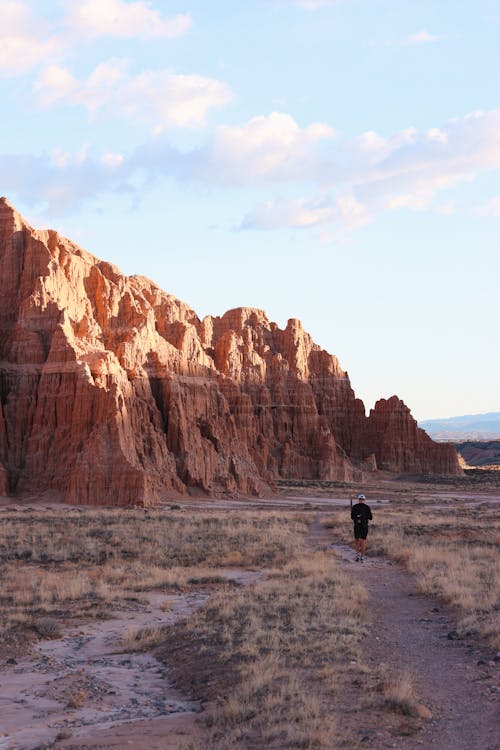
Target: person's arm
point(370, 517)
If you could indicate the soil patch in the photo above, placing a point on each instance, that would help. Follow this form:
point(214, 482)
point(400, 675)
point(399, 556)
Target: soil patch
point(84, 690)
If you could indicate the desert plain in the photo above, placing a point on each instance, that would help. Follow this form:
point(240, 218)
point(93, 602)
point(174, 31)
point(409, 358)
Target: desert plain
point(233, 623)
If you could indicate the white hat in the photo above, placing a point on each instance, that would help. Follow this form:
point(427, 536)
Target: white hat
point(361, 497)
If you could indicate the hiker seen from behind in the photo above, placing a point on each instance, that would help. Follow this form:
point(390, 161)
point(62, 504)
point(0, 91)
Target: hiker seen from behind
point(360, 514)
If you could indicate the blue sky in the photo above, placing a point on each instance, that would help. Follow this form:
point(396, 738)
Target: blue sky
point(332, 160)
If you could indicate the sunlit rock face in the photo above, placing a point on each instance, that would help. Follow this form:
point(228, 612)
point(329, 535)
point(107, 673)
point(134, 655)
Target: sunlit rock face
point(115, 392)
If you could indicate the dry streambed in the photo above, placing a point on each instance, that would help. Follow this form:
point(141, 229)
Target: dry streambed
point(92, 682)
point(86, 681)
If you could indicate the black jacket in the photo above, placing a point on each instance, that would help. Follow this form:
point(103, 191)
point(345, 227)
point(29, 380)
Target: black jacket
point(361, 514)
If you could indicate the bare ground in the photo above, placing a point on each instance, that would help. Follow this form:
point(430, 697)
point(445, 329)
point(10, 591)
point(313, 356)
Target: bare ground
point(85, 681)
point(455, 678)
point(86, 690)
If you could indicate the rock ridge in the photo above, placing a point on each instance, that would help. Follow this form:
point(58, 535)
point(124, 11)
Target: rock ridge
point(113, 391)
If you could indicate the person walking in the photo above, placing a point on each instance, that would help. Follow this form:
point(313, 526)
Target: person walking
point(360, 514)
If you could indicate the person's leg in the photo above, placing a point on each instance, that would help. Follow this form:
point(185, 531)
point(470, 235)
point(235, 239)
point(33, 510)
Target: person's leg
point(362, 542)
point(357, 545)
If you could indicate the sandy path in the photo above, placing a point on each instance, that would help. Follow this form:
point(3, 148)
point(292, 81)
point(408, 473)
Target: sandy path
point(455, 678)
point(85, 688)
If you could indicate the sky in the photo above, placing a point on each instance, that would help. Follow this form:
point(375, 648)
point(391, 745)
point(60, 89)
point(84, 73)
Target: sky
point(336, 161)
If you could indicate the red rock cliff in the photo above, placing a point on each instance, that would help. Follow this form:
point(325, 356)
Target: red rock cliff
point(112, 391)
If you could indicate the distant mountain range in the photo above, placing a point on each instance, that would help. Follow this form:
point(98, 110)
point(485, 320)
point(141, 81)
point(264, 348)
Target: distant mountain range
point(466, 427)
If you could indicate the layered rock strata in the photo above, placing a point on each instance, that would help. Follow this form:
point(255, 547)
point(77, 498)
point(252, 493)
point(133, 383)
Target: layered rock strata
point(114, 392)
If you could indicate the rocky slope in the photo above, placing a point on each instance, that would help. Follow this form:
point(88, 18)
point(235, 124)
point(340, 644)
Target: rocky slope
point(112, 391)
point(479, 453)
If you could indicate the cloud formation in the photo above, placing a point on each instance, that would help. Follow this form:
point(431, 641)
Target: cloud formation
point(28, 41)
point(342, 209)
point(116, 18)
point(62, 180)
point(337, 182)
point(419, 37)
point(268, 148)
point(157, 98)
point(405, 170)
point(25, 41)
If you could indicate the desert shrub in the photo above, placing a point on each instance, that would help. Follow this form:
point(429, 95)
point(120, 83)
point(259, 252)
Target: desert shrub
point(47, 627)
point(399, 694)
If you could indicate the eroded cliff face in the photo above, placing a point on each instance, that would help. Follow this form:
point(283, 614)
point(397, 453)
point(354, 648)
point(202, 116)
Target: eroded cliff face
point(112, 391)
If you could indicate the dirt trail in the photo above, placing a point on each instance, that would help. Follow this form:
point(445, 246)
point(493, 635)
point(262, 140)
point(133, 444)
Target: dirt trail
point(455, 678)
point(84, 687)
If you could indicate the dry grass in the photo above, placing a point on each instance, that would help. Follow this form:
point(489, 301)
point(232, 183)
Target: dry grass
point(454, 554)
point(278, 658)
point(144, 639)
point(274, 657)
point(86, 563)
point(47, 627)
point(154, 538)
point(276, 652)
point(399, 694)
point(77, 699)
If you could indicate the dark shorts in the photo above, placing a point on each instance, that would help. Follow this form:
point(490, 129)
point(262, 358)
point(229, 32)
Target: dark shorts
point(361, 532)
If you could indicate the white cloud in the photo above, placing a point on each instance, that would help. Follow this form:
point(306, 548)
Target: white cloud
point(343, 208)
point(158, 98)
point(112, 160)
point(61, 180)
point(436, 134)
point(272, 147)
point(63, 159)
point(372, 148)
point(420, 37)
point(101, 85)
point(351, 181)
point(163, 100)
point(327, 181)
point(25, 41)
point(116, 18)
point(28, 41)
point(406, 170)
point(55, 83)
point(266, 149)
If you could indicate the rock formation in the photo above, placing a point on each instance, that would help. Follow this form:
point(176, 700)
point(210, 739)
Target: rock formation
point(112, 391)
